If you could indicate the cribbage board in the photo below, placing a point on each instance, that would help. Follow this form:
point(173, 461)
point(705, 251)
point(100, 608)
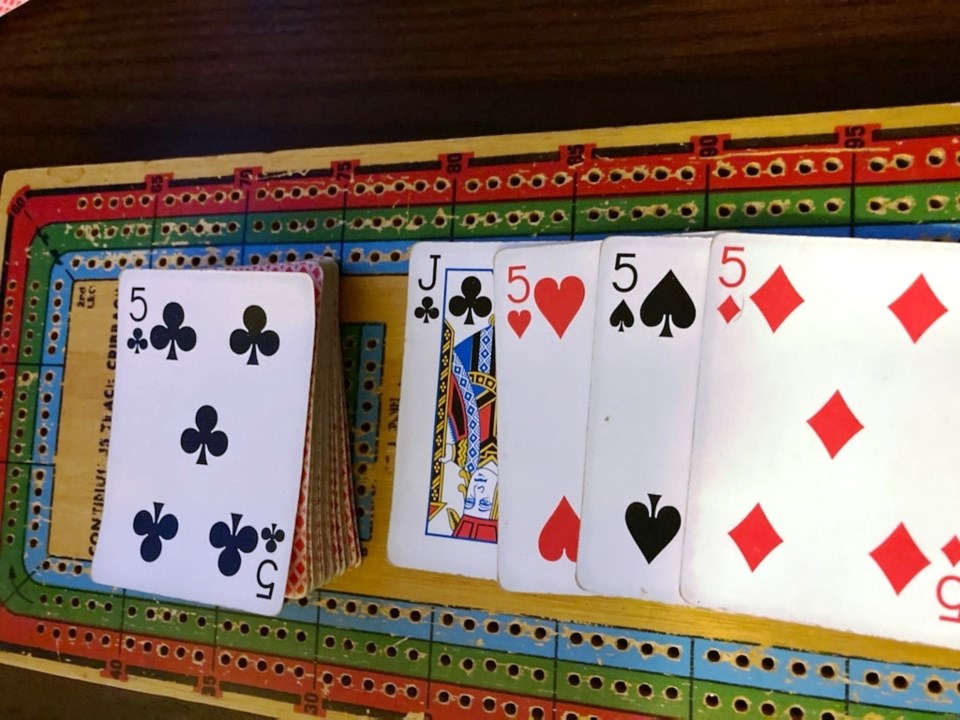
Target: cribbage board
point(384, 641)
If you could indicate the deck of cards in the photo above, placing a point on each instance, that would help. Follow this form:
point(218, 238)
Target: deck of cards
point(228, 481)
point(752, 423)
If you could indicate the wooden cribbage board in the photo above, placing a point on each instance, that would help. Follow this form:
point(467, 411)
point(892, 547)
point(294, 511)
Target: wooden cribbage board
point(382, 640)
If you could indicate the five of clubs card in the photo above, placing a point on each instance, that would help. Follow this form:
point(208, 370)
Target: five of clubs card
point(732, 421)
point(207, 442)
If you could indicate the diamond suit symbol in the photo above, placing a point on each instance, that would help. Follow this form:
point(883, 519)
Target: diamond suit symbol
point(952, 550)
point(729, 309)
point(776, 298)
point(755, 537)
point(835, 424)
point(917, 308)
point(899, 558)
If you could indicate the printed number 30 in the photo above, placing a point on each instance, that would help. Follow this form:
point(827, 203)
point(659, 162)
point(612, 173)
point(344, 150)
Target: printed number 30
point(134, 298)
point(728, 259)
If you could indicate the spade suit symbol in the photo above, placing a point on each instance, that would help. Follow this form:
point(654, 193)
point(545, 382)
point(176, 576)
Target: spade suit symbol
point(652, 530)
point(668, 302)
point(621, 317)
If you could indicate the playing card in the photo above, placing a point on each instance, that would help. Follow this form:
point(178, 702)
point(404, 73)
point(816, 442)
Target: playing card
point(325, 540)
point(646, 353)
point(544, 304)
point(445, 495)
point(207, 436)
point(823, 479)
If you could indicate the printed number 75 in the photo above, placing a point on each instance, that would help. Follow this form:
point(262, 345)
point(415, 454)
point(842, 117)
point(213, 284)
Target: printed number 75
point(728, 258)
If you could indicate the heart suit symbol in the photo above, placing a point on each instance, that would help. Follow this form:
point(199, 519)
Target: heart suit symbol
point(559, 302)
point(519, 320)
point(560, 533)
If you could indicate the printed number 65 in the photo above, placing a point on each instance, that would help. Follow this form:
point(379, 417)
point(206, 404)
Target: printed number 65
point(727, 258)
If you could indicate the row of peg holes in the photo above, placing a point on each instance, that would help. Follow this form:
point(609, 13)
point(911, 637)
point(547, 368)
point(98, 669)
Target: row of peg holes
point(776, 168)
point(492, 627)
point(290, 256)
point(75, 602)
point(201, 197)
point(261, 665)
point(594, 214)
point(389, 688)
point(264, 631)
point(622, 644)
point(107, 264)
point(621, 687)
point(110, 231)
point(777, 207)
point(488, 704)
point(375, 256)
point(352, 607)
point(200, 229)
point(113, 203)
point(166, 615)
point(391, 651)
point(934, 158)
point(310, 224)
point(903, 161)
point(798, 668)
point(72, 634)
point(490, 665)
point(359, 188)
point(513, 218)
point(902, 205)
point(767, 708)
point(935, 203)
point(179, 260)
point(515, 181)
point(396, 221)
point(147, 647)
point(638, 175)
point(58, 566)
point(46, 398)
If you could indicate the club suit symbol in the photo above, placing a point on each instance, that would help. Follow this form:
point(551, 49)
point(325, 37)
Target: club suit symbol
point(155, 529)
point(204, 437)
point(173, 333)
point(253, 336)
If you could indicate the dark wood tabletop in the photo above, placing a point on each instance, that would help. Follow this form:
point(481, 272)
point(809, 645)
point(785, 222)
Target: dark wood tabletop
point(84, 81)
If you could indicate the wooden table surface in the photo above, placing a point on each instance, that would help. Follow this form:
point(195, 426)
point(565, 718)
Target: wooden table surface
point(105, 80)
point(109, 80)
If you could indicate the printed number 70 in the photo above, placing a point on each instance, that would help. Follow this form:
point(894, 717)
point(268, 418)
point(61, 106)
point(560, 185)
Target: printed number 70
point(727, 258)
